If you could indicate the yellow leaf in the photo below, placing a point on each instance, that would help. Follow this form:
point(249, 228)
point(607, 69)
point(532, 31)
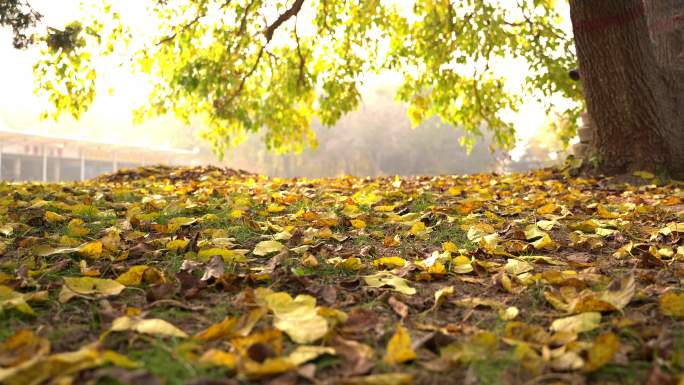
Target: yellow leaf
point(461, 265)
point(399, 347)
point(544, 243)
point(479, 231)
point(39, 369)
point(517, 267)
point(267, 368)
point(10, 299)
point(236, 214)
point(228, 255)
point(177, 244)
point(441, 294)
point(380, 379)
point(218, 357)
point(352, 263)
point(602, 351)
point(671, 304)
point(509, 314)
point(264, 248)
point(111, 241)
point(275, 208)
point(576, 324)
point(232, 327)
point(384, 278)
point(133, 276)
point(297, 317)
point(53, 217)
point(76, 229)
point(389, 262)
point(21, 347)
point(450, 247)
point(358, 223)
point(306, 353)
point(643, 174)
point(120, 360)
point(182, 221)
point(91, 250)
point(151, 326)
point(547, 209)
point(88, 286)
point(418, 228)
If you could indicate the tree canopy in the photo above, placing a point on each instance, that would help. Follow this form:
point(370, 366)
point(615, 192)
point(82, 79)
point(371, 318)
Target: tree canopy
point(241, 66)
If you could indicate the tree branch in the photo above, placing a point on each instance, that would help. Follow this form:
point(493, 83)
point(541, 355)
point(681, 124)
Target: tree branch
point(189, 24)
point(292, 11)
point(302, 61)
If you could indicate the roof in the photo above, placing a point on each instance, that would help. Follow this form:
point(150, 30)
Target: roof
point(94, 149)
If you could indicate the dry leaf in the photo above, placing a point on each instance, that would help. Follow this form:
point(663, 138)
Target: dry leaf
point(399, 347)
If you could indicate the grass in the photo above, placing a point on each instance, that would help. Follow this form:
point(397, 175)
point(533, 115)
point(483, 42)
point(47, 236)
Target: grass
point(422, 202)
point(164, 360)
point(172, 262)
point(451, 232)
point(491, 371)
point(633, 374)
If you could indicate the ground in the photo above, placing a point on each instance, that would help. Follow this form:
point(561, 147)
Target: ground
point(213, 276)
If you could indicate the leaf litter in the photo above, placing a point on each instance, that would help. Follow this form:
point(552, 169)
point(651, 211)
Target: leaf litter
point(214, 276)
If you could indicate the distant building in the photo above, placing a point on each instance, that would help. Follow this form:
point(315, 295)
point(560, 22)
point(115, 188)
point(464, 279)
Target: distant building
point(26, 156)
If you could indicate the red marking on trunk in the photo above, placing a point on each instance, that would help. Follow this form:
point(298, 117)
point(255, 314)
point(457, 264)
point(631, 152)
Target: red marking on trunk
point(600, 23)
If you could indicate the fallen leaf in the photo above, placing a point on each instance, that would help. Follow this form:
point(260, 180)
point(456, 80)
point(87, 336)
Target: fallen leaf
point(21, 347)
point(264, 248)
point(579, 323)
point(89, 286)
point(399, 347)
point(602, 351)
point(671, 304)
point(151, 326)
point(297, 317)
point(388, 279)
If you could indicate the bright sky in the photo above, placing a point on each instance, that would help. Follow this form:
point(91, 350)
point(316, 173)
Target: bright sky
point(110, 118)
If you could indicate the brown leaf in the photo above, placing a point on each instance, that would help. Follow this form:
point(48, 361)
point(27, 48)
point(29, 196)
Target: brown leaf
point(399, 307)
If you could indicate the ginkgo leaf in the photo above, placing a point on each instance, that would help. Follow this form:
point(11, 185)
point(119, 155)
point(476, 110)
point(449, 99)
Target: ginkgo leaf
point(89, 286)
point(218, 357)
point(39, 369)
point(21, 347)
point(579, 323)
point(441, 295)
point(133, 276)
point(306, 353)
point(389, 262)
point(228, 255)
point(517, 267)
point(10, 299)
point(264, 248)
point(53, 217)
point(297, 317)
point(380, 379)
point(151, 326)
point(671, 304)
point(91, 250)
point(388, 279)
point(602, 351)
point(399, 347)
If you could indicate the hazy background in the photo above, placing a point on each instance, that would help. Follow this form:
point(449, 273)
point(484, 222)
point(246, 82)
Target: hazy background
point(375, 140)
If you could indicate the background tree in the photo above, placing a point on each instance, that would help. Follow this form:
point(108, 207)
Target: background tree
point(240, 66)
point(245, 65)
point(21, 18)
point(631, 56)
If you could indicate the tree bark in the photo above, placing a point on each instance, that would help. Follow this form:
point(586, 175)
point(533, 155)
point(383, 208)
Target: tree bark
point(626, 93)
point(666, 28)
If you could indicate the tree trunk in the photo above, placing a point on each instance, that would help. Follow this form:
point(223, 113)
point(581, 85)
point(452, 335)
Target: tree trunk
point(666, 27)
point(626, 94)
